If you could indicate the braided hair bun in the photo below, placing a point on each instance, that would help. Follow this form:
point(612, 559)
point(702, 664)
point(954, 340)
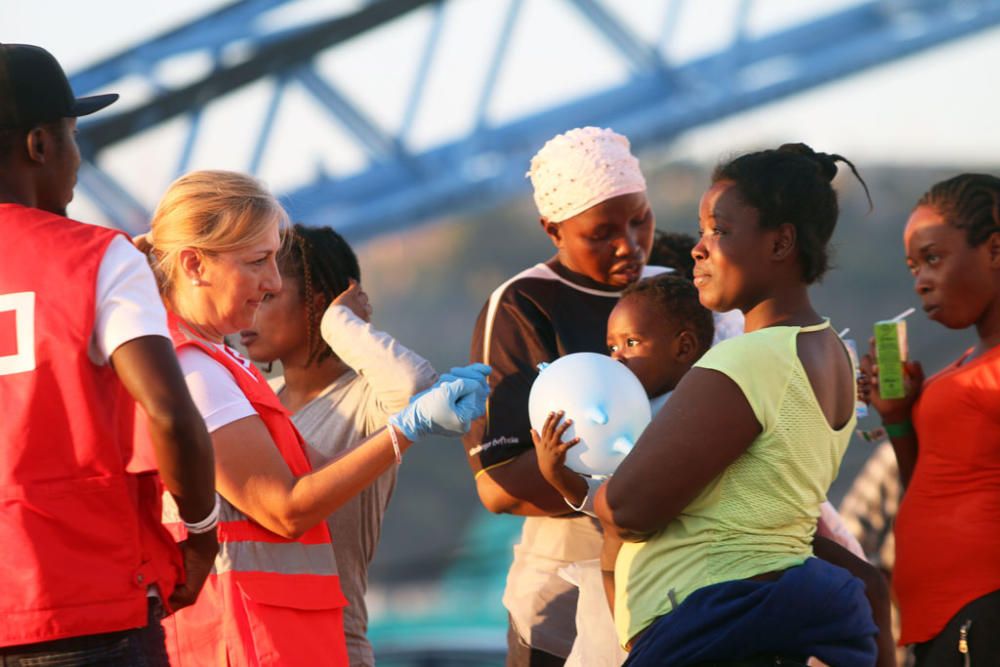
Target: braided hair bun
point(792, 184)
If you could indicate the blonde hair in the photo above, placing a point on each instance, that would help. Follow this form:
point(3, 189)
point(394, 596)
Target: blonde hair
point(210, 211)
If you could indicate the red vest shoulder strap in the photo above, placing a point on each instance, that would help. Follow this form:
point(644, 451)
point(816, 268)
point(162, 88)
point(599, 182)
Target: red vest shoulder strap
point(255, 387)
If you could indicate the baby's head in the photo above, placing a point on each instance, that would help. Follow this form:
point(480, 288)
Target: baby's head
point(659, 329)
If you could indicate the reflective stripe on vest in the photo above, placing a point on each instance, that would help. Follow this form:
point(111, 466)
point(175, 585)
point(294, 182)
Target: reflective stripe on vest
point(270, 601)
point(246, 546)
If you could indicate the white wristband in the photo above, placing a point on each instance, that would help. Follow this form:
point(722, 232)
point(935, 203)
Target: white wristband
point(587, 505)
point(208, 523)
point(395, 442)
point(583, 503)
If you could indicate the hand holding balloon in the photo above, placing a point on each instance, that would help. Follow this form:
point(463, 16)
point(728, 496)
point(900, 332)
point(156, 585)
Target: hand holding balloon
point(606, 403)
point(551, 452)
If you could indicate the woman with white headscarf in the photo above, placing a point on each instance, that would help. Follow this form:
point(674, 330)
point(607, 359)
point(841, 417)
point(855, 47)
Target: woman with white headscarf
point(591, 198)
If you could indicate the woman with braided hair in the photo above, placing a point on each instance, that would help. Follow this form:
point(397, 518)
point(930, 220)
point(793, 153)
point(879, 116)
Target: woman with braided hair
point(274, 596)
point(718, 502)
point(946, 434)
point(342, 380)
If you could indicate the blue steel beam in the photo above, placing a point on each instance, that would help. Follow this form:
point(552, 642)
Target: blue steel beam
point(496, 62)
point(194, 129)
point(293, 48)
point(230, 24)
point(671, 19)
point(423, 69)
point(486, 166)
point(385, 198)
point(271, 54)
point(123, 210)
point(379, 145)
point(267, 125)
point(640, 56)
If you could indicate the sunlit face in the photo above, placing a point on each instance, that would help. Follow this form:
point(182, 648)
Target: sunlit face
point(953, 279)
point(282, 325)
point(608, 243)
point(645, 341)
point(235, 283)
point(731, 252)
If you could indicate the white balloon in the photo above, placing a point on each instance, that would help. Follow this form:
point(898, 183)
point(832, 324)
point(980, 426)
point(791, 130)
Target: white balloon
point(606, 402)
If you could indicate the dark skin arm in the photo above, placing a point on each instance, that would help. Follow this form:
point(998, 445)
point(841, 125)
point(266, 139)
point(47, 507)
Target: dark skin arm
point(690, 442)
point(517, 487)
point(876, 590)
point(148, 368)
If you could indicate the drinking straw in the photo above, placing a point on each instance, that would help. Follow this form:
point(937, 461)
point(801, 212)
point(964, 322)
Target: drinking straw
point(906, 313)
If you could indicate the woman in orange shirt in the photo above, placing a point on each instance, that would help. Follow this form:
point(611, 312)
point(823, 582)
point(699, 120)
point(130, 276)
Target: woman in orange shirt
point(947, 575)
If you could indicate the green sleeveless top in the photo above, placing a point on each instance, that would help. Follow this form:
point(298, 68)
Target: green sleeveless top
point(760, 514)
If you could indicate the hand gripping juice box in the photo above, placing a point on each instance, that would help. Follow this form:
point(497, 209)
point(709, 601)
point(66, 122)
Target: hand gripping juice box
point(890, 353)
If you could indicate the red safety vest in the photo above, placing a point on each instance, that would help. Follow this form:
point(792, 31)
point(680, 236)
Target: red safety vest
point(269, 600)
point(79, 538)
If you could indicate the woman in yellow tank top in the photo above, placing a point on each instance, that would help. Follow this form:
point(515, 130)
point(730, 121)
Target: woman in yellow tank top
point(718, 501)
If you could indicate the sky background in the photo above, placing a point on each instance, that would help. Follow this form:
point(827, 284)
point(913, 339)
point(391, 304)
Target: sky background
point(936, 108)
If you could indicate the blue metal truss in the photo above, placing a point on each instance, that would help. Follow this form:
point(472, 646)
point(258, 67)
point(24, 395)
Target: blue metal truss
point(657, 102)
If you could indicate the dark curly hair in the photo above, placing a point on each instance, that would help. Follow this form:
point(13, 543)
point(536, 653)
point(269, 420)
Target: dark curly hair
point(793, 184)
point(970, 202)
point(677, 300)
point(323, 263)
point(673, 250)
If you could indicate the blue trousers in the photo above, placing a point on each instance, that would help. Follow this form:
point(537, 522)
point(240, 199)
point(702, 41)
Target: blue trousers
point(815, 609)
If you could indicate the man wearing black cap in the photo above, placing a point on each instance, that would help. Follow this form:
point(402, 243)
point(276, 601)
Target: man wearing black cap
point(87, 568)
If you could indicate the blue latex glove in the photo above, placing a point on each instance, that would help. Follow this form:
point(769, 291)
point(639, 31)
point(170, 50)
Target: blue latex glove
point(447, 408)
point(475, 372)
point(472, 372)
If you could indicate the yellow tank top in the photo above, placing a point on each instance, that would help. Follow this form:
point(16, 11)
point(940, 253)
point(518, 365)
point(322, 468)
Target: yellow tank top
point(760, 514)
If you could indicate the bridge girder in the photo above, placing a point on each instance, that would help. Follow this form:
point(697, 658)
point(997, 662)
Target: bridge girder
point(399, 185)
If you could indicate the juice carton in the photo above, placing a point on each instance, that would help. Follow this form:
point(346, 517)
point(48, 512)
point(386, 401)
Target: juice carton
point(890, 353)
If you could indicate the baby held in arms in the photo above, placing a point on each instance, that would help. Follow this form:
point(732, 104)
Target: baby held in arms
point(658, 330)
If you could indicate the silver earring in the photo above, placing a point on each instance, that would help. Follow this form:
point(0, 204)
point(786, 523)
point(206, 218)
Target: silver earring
point(196, 282)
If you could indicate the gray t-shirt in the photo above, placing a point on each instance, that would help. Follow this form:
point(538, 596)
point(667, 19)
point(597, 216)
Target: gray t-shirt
point(357, 404)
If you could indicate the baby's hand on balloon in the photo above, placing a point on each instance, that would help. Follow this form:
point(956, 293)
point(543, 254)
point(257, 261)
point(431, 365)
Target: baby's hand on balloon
point(551, 450)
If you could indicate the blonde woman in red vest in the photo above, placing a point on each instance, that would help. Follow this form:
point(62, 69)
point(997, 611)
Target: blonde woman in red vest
point(274, 597)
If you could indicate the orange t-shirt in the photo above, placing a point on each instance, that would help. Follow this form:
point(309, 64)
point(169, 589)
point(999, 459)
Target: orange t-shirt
point(948, 526)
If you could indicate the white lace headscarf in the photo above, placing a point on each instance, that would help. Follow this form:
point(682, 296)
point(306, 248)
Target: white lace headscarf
point(582, 168)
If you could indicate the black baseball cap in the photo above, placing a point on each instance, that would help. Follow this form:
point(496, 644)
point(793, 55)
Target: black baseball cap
point(34, 89)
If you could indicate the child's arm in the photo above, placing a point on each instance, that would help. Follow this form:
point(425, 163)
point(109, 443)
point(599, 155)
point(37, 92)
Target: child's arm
point(832, 527)
point(551, 452)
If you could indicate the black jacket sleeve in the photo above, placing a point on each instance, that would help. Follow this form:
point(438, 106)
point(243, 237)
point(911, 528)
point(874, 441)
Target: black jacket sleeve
point(513, 339)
